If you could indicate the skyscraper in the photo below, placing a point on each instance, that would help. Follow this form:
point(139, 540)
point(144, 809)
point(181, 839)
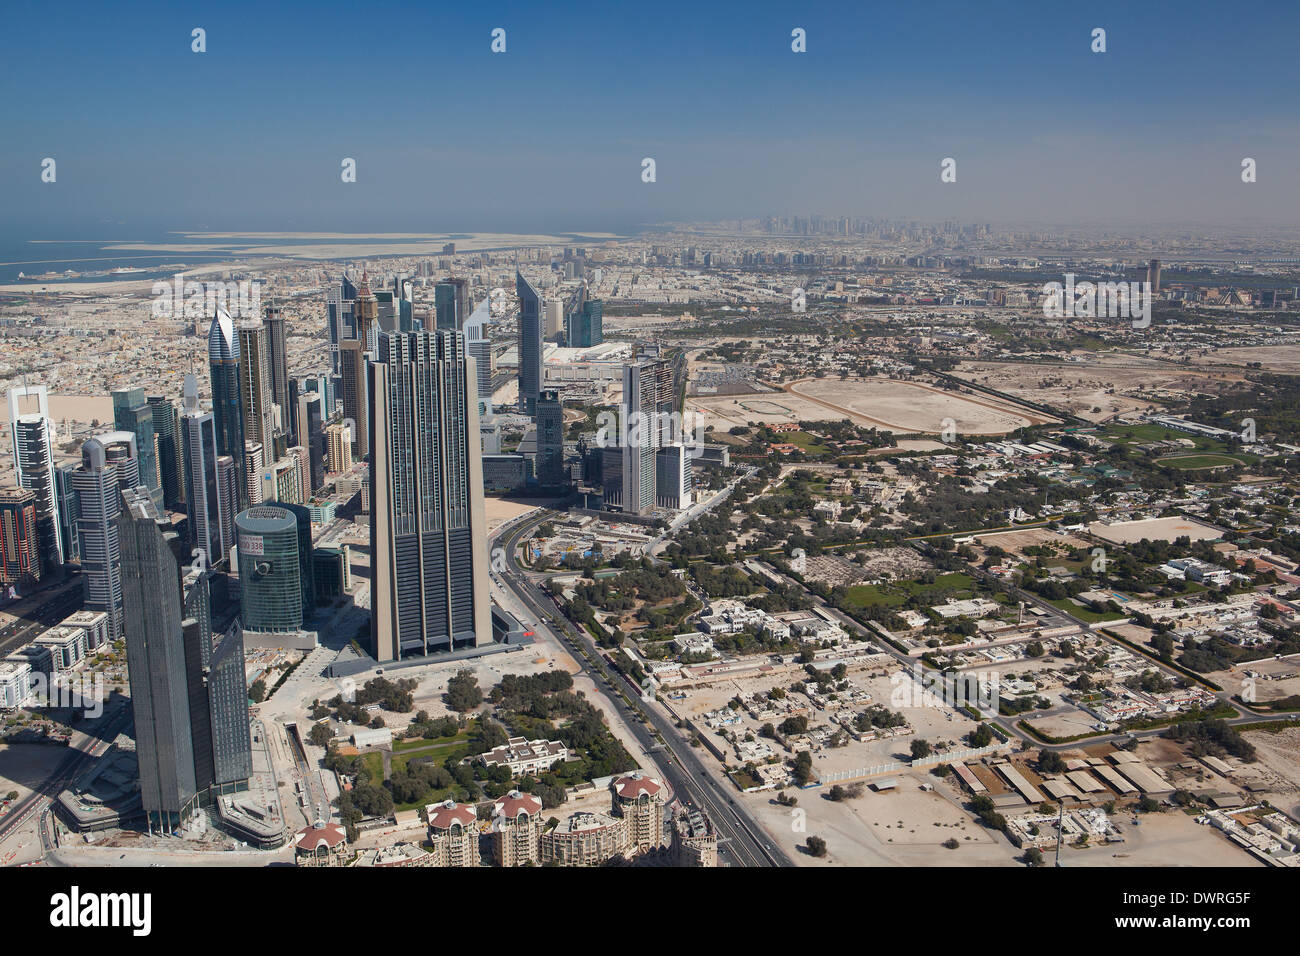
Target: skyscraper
point(310, 432)
point(278, 363)
point(187, 690)
point(211, 522)
point(451, 304)
point(427, 526)
point(340, 320)
point(585, 325)
point(647, 399)
point(550, 440)
point(20, 553)
point(272, 585)
point(352, 376)
point(131, 413)
point(554, 318)
point(478, 344)
point(166, 429)
point(227, 414)
point(108, 465)
point(155, 654)
point(255, 385)
point(1153, 276)
point(32, 430)
point(530, 344)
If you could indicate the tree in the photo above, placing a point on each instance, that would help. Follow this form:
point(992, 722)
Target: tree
point(463, 692)
point(1034, 856)
point(920, 749)
point(816, 846)
point(257, 691)
point(321, 734)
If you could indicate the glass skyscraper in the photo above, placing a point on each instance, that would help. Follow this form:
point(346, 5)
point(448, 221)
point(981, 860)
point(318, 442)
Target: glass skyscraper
point(227, 415)
point(530, 344)
point(428, 532)
point(270, 569)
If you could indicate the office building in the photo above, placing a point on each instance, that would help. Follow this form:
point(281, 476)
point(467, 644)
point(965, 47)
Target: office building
point(255, 385)
point(673, 478)
point(310, 429)
point(108, 466)
point(427, 527)
point(647, 403)
point(478, 345)
point(338, 449)
point(227, 412)
point(278, 364)
point(451, 304)
point(353, 376)
point(131, 413)
point(155, 653)
point(32, 431)
point(66, 500)
point(554, 318)
point(20, 553)
point(550, 440)
point(585, 325)
point(530, 345)
point(171, 467)
point(341, 323)
point(271, 563)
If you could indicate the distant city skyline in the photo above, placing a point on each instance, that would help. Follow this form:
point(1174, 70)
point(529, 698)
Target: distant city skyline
point(247, 134)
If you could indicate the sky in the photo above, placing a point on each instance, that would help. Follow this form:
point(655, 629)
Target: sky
point(150, 137)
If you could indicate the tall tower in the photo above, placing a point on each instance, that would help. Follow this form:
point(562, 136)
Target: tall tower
point(1153, 276)
point(550, 440)
point(32, 430)
point(255, 386)
point(478, 343)
point(530, 344)
point(278, 361)
point(20, 555)
point(108, 465)
point(227, 413)
point(340, 320)
point(166, 429)
point(155, 653)
point(428, 533)
point(647, 400)
point(451, 304)
point(131, 413)
point(211, 523)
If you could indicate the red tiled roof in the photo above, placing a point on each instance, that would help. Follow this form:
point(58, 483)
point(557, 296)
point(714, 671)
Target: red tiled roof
point(515, 803)
point(635, 784)
point(443, 815)
point(309, 838)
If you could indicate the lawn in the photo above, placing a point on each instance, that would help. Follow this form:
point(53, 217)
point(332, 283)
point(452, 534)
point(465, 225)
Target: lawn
point(1084, 613)
point(1189, 462)
point(896, 593)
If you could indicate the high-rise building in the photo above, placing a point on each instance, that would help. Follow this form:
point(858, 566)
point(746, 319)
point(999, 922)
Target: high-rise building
point(32, 431)
point(131, 413)
point(647, 399)
point(341, 322)
point(673, 477)
point(108, 465)
point(171, 470)
point(227, 412)
point(310, 432)
point(550, 440)
point(586, 325)
point(554, 318)
point(427, 525)
point(338, 453)
point(255, 385)
point(353, 382)
point(1153, 276)
point(478, 344)
point(155, 654)
point(66, 496)
point(451, 304)
point(188, 691)
point(278, 362)
point(20, 553)
point(530, 344)
point(211, 522)
point(271, 563)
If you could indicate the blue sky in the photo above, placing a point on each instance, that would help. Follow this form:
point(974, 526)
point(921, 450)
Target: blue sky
point(550, 135)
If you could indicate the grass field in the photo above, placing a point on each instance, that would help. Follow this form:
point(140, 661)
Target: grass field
point(1084, 613)
point(1191, 462)
point(896, 593)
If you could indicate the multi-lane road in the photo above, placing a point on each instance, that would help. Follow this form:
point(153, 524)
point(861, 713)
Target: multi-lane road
point(742, 841)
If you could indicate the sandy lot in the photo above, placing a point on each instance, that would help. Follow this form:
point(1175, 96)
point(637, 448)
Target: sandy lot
point(1154, 529)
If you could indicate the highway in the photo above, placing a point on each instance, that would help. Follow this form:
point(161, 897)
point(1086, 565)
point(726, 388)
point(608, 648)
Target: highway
point(741, 841)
